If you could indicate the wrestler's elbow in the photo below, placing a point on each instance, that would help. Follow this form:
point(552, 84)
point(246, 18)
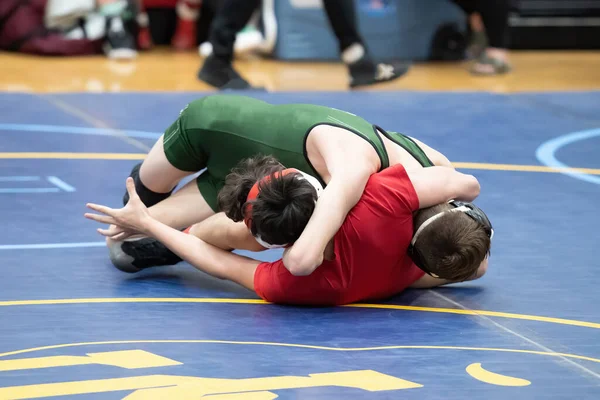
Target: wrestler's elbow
point(469, 188)
point(302, 265)
point(440, 160)
point(302, 268)
point(475, 187)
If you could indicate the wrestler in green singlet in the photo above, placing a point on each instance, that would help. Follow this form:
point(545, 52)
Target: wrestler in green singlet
point(218, 131)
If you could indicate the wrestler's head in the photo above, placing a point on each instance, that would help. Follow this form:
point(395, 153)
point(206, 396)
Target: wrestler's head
point(451, 240)
point(274, 202)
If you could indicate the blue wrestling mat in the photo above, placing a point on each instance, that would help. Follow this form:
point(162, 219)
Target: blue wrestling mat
point(75, 327)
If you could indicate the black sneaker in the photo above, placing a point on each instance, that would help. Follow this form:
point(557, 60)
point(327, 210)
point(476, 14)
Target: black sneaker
point(120, 43)
point(220, 74)
point(365, 72)
point(135, 255)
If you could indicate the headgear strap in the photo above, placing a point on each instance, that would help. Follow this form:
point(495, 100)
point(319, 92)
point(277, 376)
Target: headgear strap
point(433, 218)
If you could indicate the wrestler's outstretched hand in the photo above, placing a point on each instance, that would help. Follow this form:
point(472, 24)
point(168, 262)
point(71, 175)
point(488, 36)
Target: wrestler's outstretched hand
point(133, 217)
point(119, 233)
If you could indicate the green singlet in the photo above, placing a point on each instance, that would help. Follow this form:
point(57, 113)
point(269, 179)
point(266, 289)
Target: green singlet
point(218, 131)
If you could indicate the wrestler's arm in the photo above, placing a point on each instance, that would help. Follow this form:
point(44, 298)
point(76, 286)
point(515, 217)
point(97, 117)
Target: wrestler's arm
point(222, 232)
point(435, 156)
point(350, 169)
point(436, 185)
point(214, 261)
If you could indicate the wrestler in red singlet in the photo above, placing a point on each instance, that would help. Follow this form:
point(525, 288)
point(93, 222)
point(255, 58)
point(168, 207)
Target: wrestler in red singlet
point(371, 260)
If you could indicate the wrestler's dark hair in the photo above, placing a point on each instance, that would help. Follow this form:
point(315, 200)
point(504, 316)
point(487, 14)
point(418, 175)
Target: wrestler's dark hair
point(282, 209)
point(239, 181)
point(453, 246)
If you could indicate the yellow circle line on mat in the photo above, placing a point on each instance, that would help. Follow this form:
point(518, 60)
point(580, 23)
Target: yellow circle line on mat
point(560, 321)
point(302, 346)
point(141, 156)
point(523, 168)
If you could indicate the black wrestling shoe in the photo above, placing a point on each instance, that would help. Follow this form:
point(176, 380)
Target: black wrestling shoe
point(135, 255)
point(365, 72)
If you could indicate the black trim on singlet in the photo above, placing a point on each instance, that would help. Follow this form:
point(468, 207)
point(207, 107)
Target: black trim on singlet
point(357, 133)
point(387, 156)
point(408, 150)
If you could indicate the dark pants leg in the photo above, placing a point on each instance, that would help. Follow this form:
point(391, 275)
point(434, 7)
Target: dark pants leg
point(494, 14)
point(363, 71)
point(342, 17)
point(232, 16)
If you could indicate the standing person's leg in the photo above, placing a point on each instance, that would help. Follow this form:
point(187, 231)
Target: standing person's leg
point(188, 12)
point(494, 15)
point(342, 17)
point(120, 42)
point(231, 18)
point(363, 70)
point(478, 41)
point(144, 38)
point(475, 29)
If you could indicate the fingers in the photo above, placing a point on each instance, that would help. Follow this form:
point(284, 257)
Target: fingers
point(103, 219)
point(104, 232)
point(114, 233)
point(115, 230)
point(117, 238)
point(131, 189)
point(101, 209)
point(121, 236)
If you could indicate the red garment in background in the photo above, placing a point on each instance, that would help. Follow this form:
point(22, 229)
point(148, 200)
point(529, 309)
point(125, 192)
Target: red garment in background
point(22, 30)
point(159, 3)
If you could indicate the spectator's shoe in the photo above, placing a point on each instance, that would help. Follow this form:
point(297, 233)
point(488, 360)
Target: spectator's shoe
point(120, 44)
point(365, 72)
point(220, 74)
point(132, 256)
point(488, 66)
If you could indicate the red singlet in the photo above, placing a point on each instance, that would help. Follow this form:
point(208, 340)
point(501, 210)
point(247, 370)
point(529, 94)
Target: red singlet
point(370, 251)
